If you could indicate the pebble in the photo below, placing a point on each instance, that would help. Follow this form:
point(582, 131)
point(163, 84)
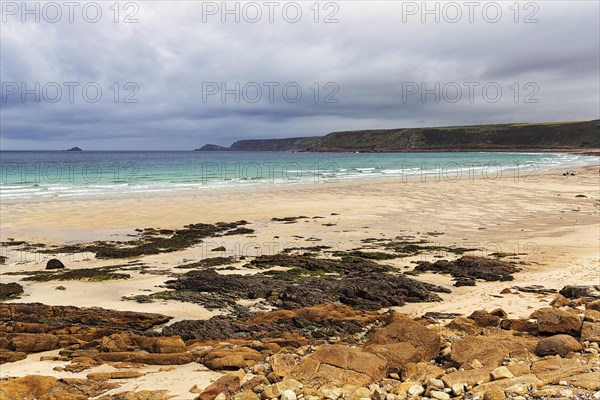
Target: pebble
point(563, 383)
point(446, 351)
point(501, 373)
point(433, 383)
point(597, 395)
point(435, 394)
point(566, 393)
point(288, 395)
point(516, 390)
point(458, 389)
point(416, 390)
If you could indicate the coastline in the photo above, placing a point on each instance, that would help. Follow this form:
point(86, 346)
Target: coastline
point(552, 231)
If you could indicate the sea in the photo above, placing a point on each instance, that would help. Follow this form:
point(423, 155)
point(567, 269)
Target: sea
point(68, 174)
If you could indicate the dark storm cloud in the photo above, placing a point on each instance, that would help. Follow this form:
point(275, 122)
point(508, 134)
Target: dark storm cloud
point(364, 65)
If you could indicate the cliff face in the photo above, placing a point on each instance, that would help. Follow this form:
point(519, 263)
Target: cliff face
point(505, 137)
point(288, 144)
point(577, 135)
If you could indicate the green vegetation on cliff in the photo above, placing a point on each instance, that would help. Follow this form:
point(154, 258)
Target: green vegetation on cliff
point(499, 137)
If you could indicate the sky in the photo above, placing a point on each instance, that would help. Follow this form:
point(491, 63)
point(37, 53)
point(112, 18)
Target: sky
point(175, 75)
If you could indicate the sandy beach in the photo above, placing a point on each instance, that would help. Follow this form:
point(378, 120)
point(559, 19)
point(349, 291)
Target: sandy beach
point(550, 221)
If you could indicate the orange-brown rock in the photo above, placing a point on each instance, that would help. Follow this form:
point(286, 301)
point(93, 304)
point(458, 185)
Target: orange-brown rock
point(146, 358)
point(404, 329)
point(553, 320)
point(283, 364)
point(555, 369)
point(421, 372)
point(227, 384)
point(104, 376)
point(521, 325)
point(557, 344)
point(7, 356)
point(489, 350)
point(590, 332)
point(33, 342)
point(484, 318)
point(340, 365)
point(594, 305)
point(464, 324)
point(397, 355)
point(234, 358)
point(93, 316)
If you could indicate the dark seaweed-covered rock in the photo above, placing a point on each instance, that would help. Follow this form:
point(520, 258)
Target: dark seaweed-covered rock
point(88, 274)
point(10, 291)
point(471, 267)
point(54, 264)
point(157, 241)
point(440, 315)
point(67, 315)
point(208, 262)
point(464, 282)
point(591, 292)
point(538, 289)
point(324, 321)
point(361, 284)
point(312, 264)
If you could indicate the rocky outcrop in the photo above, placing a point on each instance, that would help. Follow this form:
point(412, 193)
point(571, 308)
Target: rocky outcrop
point(403, 341)
point(349, 353)
point(590, 293)
point(10, 291)
point(490, 351)
point(471, 267)
point(341, 365)
point(68, 315)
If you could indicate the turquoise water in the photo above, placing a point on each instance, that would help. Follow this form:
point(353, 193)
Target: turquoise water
point(51, 174)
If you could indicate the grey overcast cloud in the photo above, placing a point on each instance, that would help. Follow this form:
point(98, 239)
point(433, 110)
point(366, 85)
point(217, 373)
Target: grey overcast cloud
point(158, 75)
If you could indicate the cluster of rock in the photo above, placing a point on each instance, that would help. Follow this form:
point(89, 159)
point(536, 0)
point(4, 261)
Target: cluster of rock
point(357, 354)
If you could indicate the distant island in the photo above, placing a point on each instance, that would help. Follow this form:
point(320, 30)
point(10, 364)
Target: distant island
point(74, 149)
point(580, 135)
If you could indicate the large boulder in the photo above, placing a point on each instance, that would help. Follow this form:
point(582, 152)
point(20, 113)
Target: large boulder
point(521, 325)
point(557, 344)
point(484, 318)
point(236, 358)
point(552, 320)
point(93, 316)
point(55, 263)
point(7, 356)
point(146, 358)
point(27, 387)
point(589, 292)
point(341, 365)
point(397, 355)
point(594, 305)
point(227, 384)
point(421, 372)
point(491, 351)
point(33, 342)
point(10, 290)
point(404, 329)
point(590, 332)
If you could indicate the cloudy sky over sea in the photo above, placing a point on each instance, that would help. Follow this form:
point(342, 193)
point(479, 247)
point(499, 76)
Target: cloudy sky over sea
point(155, 75)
